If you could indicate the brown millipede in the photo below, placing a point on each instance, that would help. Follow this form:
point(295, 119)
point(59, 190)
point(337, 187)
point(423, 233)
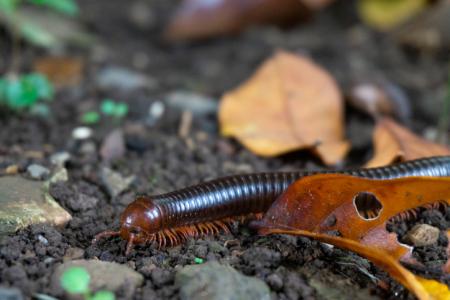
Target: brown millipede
point(171, 218)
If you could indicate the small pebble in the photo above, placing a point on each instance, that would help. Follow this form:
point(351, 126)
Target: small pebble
point(82, 133)
point(114, 182)
point(42, 239)
point(73, 253)
point(423, 235)
point(59, 159)
point(12, 170)
point(155, 112)
point(37, 171)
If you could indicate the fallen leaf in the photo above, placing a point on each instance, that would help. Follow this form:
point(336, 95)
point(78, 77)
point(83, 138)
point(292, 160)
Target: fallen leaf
point(357, 208)
point(198, 19)
point(290, 103)
point(62, 71)
point(385, 15)
point(393, 143)
point(424, 289)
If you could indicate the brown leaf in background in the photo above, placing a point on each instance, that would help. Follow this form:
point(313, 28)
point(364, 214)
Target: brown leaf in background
point(357, 208)
point(290, 103)
point(197, 19)
point(424, 289)
point(394, 142)
point(61, 71)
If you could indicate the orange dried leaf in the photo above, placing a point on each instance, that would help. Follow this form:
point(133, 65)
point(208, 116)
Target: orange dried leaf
point(197, 19)
point(424, 289)
point(62, 71)
point(357, 208)
point(290, 103)
point(396, 143)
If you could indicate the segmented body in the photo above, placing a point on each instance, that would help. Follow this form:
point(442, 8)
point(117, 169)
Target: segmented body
point(254, 193)
point(206, 207)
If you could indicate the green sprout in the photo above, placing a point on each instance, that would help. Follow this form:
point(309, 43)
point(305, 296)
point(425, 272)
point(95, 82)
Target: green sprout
point(90, 117)
point(198, 260)
point(114, 109)
point(22, 92)
point(75, 281)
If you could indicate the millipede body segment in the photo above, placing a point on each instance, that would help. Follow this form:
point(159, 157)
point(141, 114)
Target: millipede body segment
point(170, 218)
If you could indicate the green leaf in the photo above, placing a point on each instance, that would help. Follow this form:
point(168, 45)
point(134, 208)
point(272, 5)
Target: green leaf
point(90, 117)
point(35, 34)
point(108, 107)
point(121, 110)
point(198, 260)
point(8, 6)
point(103, 295)
point(68, 7)
point(20, 94)
point(42, 85)
point(75, 280)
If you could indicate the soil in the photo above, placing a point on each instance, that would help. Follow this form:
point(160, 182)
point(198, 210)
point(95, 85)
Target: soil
point(162, 161)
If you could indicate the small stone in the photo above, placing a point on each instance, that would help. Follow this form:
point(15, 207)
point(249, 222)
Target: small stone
point(60, 175)
point(59, 159)
point(275, 281)
point(423, 235)
point(123, 79)
point(114, 182)
point(113, 146)
point(24, 202)
point(88, 148)
point(82, 133)
point(10, 294)
point(12, 169)
point(218, 282)
point(155, 112)
point(73, 253)
point(198, 105)
point(104, 275)
point(37, 171)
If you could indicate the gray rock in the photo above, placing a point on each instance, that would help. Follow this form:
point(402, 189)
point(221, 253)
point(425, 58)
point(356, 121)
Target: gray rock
point(122, 79)
point(113, 146)
point(197, 104)
point(10, 294)
point(114, 182)
point(59, 175)
point(155, 112)
point(24, 202)
point(423, 235)
point(37, 171)
point(218, 282)
point(104, 275)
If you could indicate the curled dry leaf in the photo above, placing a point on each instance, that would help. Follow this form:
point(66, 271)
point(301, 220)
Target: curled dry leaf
point(393, 143)
point(197, 19)
point(290, 103)
point(424, 289)
point(357, 208)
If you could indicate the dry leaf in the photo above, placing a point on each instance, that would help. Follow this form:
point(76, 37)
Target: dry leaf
point(396, 143)
point(387, 14)
point(197, 19)
point(357, 208)
point(290, 103)
point(62, 71)
point(424, 289)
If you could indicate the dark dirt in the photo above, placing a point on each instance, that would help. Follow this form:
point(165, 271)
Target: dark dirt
point(163, 161)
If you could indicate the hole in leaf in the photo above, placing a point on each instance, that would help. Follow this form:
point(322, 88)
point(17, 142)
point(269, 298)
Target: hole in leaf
point(367, 205)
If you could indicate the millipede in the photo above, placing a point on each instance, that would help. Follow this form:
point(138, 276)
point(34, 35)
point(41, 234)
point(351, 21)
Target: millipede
point(209, 207)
